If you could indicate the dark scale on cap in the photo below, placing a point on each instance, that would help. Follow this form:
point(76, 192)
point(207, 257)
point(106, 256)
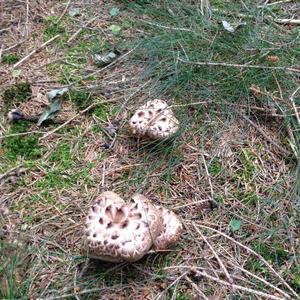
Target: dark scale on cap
point(137, 215)
point(109, 225)
point(114, 236)
point(124, 224)
point(163, 119)
point(94, 209)
point(105, 242)
point(101, 221)
point(141, 114)
point(94, 235)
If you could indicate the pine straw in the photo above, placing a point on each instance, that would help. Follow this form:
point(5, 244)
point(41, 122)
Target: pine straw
point(205, 177)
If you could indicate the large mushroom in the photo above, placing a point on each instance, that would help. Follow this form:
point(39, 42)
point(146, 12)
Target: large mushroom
point(155, 120)
point(116, 231)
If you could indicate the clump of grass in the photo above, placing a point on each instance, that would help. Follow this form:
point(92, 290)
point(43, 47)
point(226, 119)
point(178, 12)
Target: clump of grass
point(10, 58)
point(25, 147)
point(178, 35)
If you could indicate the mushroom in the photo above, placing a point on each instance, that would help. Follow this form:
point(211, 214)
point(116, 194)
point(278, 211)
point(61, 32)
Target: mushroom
point(172, 228)
point(155, 120)
point(116, 231)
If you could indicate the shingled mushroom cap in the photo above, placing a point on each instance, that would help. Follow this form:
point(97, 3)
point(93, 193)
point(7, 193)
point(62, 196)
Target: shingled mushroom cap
point(171, 231)
point(116, 231)
point(155, 120)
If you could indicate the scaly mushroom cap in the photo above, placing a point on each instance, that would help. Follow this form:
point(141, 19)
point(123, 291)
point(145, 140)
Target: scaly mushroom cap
point(116, 231)
point(155, 119)
point(172, 228)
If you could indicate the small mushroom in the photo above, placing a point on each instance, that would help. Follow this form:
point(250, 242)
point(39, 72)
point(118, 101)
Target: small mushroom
point(116, 231)
point(155, 120)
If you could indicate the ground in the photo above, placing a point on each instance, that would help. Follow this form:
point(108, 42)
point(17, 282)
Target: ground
point(231, 172)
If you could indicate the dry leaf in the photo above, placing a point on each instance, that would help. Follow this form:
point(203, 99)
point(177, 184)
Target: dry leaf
point(272, 58)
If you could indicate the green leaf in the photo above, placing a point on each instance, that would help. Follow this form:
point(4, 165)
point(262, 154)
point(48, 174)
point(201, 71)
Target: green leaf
point(115, 29)
point(114, 11)
point(235, 224)
point(50, 111)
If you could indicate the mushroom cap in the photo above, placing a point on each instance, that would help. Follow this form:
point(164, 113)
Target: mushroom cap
point(155, 120)
point(172, 228)
point(116, 231)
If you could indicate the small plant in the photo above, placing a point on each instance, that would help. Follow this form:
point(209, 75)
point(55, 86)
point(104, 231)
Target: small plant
point(10, 58)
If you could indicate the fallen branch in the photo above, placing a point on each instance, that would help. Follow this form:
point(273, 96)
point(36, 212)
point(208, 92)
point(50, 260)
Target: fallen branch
point(35, 51)
point(222, 64)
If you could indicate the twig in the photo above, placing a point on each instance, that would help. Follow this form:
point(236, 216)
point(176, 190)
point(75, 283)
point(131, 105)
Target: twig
point(238, 287)
point(262, 280)
point(27, 18)
point(20, 134)
point(255, 254)
point(13, 46)
point(274, 3)
point(35, 51)
point(283, 150)
point(248, 16)
point(191, 203)
point(80, 29)
point(222, 64)
point(208, 177)
point(214, 253)
point(64, 12)
point(9, 172)
point(194, 285)
point(167, 27)
point(74, 117)
point(294, 105)
point(288, 21)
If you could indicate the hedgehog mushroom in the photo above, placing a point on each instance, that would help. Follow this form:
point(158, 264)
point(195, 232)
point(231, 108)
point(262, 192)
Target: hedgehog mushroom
point(155, 120)
point(116, 231)
point(171, 230)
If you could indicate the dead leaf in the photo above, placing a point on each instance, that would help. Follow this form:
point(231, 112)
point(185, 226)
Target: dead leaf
point(272, 58)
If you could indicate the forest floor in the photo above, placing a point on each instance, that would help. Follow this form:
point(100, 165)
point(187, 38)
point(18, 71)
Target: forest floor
point(231, 172)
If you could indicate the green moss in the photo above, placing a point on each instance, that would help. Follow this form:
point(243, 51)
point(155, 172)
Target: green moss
point(21, 146)
point(17, 93)
point(10, 58)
